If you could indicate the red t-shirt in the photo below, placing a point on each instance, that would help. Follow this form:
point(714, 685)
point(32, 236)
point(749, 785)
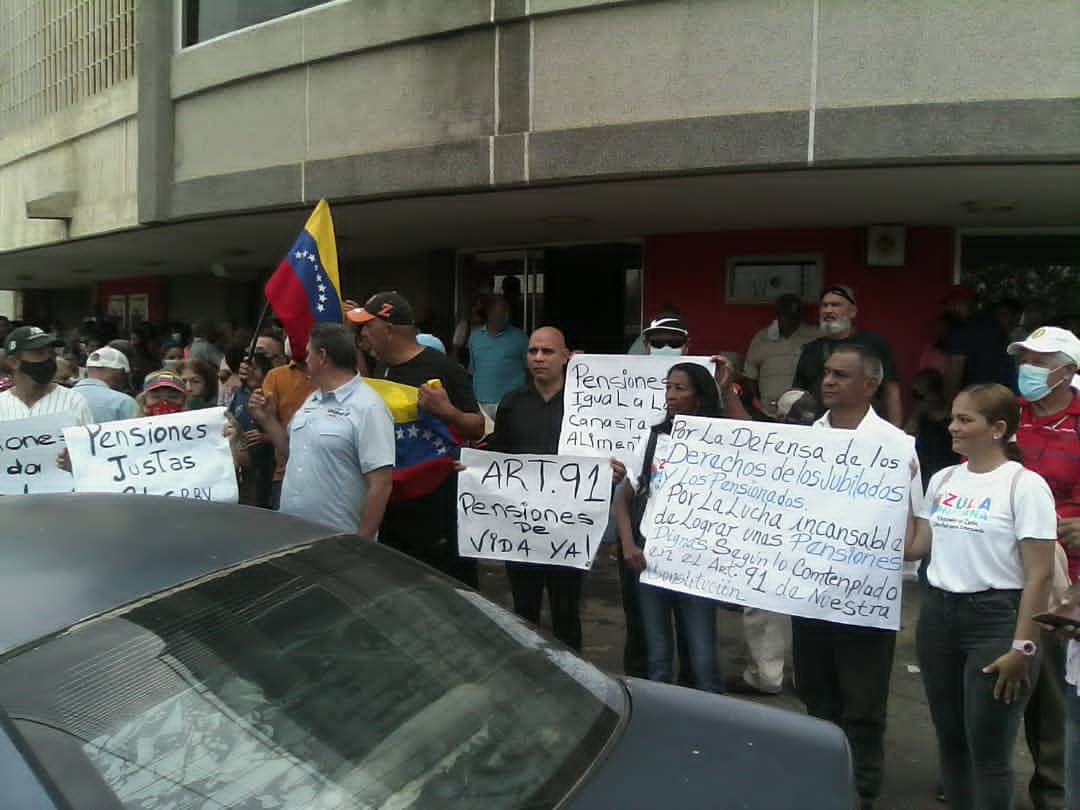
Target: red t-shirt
point(1051, 447)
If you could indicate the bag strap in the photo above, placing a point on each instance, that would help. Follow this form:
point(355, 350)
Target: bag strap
point(646, 467)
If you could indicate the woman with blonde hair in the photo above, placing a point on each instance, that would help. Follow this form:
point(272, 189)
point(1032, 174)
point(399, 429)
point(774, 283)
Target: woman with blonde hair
point(992, 527)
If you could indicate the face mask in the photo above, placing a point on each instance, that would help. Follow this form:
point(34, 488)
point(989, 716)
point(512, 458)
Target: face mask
point(196, 402)
point(163, 408)
point(665, 351)
point(501, 323)
point(41, 373)
point(170, 365)
point(1031, 380)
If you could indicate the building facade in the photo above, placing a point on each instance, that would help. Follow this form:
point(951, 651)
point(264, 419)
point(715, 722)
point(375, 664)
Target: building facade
point(616, 156)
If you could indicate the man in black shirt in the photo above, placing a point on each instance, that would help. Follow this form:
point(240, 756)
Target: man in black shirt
point(837, 319)
point(424, 527)
point(529, 420)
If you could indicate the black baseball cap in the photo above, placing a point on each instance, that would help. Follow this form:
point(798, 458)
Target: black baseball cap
point(666, 322)
point(391, 307)
point(30, 338)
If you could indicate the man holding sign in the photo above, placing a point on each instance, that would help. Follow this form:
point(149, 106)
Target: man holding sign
point(32, 356)
point(529, 420)
point(842, 670)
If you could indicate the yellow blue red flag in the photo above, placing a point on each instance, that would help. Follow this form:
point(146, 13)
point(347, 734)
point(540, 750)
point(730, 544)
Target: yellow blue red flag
point(425, 446)
point(305, 289)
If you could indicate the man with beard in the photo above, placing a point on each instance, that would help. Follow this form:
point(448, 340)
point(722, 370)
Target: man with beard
point(31, 353)
point(837, 320)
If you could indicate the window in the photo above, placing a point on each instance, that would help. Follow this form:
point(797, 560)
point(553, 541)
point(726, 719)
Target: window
point(206, 19)
point(334, 676)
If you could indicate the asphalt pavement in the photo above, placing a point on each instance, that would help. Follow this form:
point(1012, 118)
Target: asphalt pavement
point(911, 751)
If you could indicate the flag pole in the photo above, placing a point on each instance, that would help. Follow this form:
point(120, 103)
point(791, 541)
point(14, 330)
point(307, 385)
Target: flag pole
point(258, 328)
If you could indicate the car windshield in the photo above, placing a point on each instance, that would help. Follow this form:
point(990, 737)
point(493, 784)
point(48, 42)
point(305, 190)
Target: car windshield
point(335, 676)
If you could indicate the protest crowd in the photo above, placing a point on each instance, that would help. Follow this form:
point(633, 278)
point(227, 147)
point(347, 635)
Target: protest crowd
point(365, 423)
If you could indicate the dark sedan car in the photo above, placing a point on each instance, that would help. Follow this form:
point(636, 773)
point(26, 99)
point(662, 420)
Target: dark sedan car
point(164, 654)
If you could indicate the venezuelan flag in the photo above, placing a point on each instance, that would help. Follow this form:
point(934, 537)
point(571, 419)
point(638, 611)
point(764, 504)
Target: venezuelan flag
point(425, 446)
point(305, 289)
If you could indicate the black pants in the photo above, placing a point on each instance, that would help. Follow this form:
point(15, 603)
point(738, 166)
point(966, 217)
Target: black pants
point(440, 554)
point(842, 675)
point(1043, 728)
point(527, 583)
point(958, 635)
point(635, 655)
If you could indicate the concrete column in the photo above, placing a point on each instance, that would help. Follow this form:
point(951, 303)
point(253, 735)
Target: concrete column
point(154, 44)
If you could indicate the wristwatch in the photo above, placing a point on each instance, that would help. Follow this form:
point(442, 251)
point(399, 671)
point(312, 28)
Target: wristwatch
point(1028, 648)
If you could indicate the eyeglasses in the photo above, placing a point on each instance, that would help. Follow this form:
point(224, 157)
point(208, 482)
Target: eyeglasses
point(665, 343)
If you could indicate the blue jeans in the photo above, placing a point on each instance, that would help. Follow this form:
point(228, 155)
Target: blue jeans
point(1072, 747)
point(958, 634)
point(697, 615)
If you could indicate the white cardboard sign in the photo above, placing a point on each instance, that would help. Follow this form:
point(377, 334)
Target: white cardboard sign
point(184, 455)
point(532, 508)
point(29, 449)
point(797, 520)
point(611, 402)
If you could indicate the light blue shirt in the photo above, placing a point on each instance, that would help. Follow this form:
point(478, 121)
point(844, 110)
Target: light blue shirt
point(498, 362)
point(335, 439)
point(106, 404)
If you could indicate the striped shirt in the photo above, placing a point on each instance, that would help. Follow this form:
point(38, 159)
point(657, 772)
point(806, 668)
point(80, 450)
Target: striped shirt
point(58, 400)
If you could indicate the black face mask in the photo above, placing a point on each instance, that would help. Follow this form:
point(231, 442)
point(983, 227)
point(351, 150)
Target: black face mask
point(42, 373)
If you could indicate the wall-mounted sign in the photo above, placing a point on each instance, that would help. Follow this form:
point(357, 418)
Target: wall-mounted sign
point(763, 279)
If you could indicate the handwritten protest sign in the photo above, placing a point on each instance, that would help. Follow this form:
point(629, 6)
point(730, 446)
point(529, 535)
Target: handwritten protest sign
point(611, 401)
point(183, 454)
point(28, 452)
point(795, 520)
point(532, 508)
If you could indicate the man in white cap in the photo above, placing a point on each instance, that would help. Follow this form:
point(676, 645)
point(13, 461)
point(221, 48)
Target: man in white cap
point(32, 356)
point(107, 371)
point(1049, 439)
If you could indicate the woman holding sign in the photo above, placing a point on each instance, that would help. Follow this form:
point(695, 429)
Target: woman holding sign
point(690, 390)
point(993, 529)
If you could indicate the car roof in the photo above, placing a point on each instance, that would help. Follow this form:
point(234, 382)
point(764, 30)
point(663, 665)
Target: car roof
point(67, 558)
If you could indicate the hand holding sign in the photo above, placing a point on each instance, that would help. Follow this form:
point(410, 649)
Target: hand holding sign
point(184, 454)
point(532, 508)
point(29, 452)
point(783, 518)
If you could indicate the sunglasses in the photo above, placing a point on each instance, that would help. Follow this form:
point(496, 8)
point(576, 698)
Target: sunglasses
point(667, 343)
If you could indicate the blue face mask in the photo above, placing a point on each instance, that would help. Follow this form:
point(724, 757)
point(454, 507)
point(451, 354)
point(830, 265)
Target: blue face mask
point(665, 351)
point(500, 323)
point(1031, 380)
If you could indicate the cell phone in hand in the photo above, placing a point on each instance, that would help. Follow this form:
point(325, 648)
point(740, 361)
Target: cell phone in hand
point(1069, 616)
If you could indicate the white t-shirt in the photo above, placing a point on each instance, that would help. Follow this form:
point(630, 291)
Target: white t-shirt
point(976, 522)
point(59, 400)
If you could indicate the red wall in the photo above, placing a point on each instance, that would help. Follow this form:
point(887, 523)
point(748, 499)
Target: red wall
point(151, 286)
point(901, 303)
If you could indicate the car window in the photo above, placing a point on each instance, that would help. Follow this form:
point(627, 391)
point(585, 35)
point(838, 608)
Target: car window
point(338, 676)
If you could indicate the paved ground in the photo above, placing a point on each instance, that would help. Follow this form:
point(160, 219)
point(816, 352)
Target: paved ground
point(911, 770)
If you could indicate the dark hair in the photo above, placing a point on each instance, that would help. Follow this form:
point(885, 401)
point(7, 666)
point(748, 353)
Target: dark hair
point(704, 385)
point(234, 356)
point(708, 396)
point(338, 342)
point(206, 372)
point(932, 379)
point(996, 403)
point(872, 365)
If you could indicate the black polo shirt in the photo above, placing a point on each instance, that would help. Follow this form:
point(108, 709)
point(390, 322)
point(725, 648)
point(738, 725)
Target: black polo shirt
point(811, 368)
point(525, 423)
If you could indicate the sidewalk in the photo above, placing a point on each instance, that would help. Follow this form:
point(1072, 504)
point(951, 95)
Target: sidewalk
point(911, 770)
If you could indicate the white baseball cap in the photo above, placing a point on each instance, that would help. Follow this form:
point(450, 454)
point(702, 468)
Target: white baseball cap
point(1050, 340)
point(108, 357)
